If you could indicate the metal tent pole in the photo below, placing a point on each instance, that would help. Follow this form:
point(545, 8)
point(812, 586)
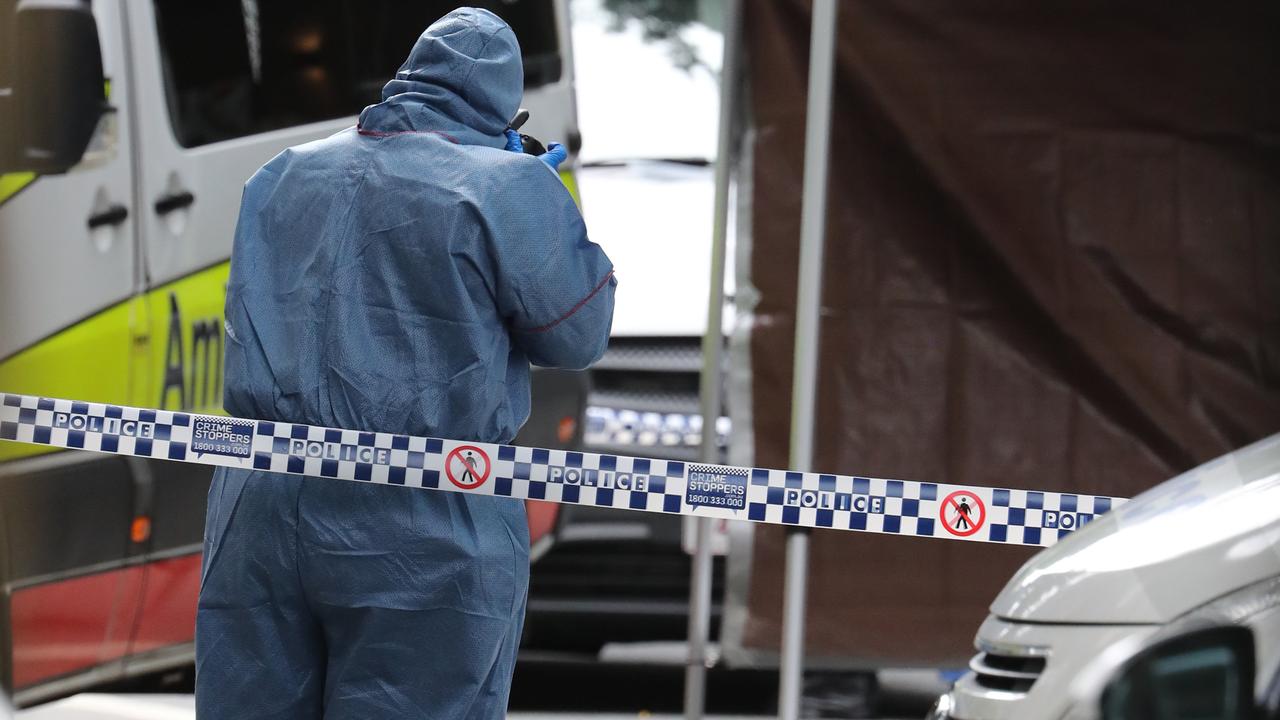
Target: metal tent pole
point(817, 136)
point(712, 351)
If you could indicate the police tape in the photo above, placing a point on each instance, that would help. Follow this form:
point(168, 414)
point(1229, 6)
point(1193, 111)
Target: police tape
point(801, 499)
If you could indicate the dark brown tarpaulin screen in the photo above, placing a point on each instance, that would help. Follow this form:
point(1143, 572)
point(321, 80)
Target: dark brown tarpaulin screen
point(1053, 261)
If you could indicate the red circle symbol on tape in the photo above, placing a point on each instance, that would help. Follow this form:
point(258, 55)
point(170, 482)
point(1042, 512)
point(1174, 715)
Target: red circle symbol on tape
point(467, 466)
point(962, 513)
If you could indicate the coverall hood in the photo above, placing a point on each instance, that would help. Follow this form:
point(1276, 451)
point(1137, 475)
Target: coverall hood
point(464, 79)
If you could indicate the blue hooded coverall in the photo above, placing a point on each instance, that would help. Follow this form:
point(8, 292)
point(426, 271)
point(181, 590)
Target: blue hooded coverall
point(399, 276)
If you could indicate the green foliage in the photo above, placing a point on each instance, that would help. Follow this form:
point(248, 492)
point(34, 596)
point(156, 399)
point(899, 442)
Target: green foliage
point(663, 20)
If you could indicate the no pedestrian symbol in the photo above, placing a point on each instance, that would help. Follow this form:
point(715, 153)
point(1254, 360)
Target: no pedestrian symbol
point(467, 466)
point(962, 513)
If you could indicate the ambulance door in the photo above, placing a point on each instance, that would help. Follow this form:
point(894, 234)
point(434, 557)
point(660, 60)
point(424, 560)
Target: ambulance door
point(67, 284)
point(214, 81)
point(207, 74)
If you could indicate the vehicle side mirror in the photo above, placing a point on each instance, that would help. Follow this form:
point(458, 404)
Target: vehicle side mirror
point(58, 93)
point(1207, 674)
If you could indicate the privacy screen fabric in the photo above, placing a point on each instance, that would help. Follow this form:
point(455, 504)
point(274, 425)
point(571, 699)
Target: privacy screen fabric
point(1052, 261)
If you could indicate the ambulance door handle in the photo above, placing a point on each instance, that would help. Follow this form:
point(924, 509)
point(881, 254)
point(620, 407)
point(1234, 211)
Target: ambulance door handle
point(174, 201)
point(113, 215)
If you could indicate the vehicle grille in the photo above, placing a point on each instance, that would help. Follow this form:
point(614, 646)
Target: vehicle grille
point(682, 355)
point(1010, 673)
point(635, 571)
point(644, 399)
point(586, 594)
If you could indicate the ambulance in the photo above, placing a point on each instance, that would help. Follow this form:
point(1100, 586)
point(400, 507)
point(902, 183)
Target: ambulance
point(127, 129)
point(1166, 607)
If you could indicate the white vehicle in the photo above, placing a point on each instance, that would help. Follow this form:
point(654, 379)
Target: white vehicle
point(649, 178)
point(127, 130)
point(1167, 607)
point(614, 582)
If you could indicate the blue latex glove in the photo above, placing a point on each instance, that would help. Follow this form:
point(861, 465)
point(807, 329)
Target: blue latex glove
point(513, 141)
point(555, 154)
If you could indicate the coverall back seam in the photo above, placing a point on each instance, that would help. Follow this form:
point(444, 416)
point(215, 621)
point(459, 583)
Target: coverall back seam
point(297, 549)
point(338, 255)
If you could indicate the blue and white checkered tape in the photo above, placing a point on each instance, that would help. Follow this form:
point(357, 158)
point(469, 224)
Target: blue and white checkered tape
point(815, 500)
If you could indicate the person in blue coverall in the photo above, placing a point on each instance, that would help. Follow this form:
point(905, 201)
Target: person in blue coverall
point(399, 276)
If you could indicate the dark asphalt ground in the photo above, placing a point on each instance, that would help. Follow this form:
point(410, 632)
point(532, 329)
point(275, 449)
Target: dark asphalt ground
point(584, 689)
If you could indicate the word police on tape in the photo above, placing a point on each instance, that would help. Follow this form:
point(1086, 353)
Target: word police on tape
point(842, 502)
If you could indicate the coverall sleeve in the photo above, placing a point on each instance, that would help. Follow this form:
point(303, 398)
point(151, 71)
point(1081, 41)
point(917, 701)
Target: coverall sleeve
point(554, 286)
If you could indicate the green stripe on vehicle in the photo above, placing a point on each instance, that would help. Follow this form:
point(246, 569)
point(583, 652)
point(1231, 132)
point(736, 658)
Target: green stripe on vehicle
point(13, 183)
point(162, 349)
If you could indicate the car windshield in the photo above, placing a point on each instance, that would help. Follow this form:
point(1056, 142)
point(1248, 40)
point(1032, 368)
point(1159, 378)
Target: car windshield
point(648, 86)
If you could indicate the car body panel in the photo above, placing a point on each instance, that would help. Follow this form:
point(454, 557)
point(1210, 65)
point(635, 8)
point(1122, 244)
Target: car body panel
point(1201, 550)
point(654, 219)
point(1066, 649)
point(1171, 549)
